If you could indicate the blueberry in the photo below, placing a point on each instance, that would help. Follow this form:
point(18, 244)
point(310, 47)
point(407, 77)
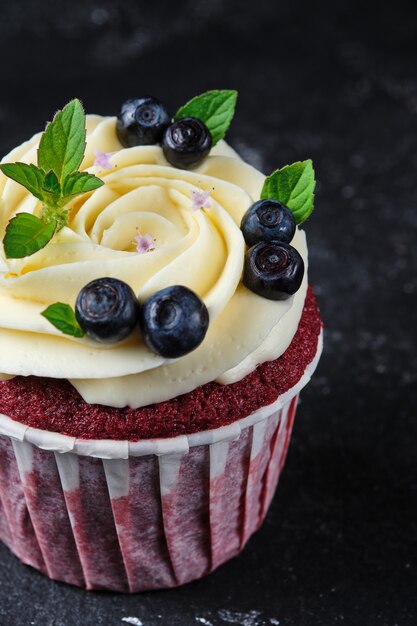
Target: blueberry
point(142, 122)
point(107, 309)
point(174, 321)
point(267, 220)
point(186, 142)
point(273, 270)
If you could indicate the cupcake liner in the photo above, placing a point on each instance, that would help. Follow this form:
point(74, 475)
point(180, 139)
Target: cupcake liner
point(133, 516)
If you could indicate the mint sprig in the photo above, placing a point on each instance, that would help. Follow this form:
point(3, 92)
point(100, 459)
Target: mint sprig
point(293, 186)
point(214, 108)
point(62, 316)
point(54, 181)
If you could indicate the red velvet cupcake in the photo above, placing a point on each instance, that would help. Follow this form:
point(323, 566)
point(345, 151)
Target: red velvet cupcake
point(156, 328)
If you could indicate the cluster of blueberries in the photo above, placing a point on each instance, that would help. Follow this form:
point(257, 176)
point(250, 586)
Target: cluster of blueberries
point(145, 121)
point(174, 320)
point(273, 269)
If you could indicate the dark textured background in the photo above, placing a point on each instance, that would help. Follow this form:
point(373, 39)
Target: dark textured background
point(336, 82)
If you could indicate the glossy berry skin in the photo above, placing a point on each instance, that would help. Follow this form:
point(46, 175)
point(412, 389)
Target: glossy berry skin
point(186, 142)
point(142, 122)
point(174, 321)
point(273, 270)
point(268, 220)
point(107, 309)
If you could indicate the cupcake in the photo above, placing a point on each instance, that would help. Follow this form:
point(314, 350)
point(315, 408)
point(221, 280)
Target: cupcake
point(156, 328)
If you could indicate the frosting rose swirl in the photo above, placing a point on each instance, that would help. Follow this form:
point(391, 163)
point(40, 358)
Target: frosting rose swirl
point(201, 249)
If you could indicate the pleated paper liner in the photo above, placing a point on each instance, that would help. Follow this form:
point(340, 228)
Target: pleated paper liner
point(133, 516)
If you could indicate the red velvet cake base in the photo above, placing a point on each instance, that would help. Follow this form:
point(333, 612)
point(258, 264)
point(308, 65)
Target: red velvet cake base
point(55, 405)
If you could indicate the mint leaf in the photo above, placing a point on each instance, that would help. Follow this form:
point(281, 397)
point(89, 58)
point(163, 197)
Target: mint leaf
point(51, 189)
point(62, 145)
point(29, 176)
point(25, 235)
point(293, 185)
point(63, 317)
point(51, 184)
point(215, 108)
point(81, 182)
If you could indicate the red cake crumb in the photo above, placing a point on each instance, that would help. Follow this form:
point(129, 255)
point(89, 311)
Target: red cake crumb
point(55, 405)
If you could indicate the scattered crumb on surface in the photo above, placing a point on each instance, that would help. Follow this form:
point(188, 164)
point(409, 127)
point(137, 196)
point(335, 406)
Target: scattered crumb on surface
point(242, 619)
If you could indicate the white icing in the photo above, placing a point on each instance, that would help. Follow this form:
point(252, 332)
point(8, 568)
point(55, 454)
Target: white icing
point(200, 249)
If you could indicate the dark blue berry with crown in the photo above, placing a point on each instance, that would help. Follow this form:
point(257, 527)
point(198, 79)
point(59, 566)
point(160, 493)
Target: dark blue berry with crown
point(174, 321)
point(186, 142)
point(273, 270)
point(268, 220)
point(107, 309)
point(142, 122)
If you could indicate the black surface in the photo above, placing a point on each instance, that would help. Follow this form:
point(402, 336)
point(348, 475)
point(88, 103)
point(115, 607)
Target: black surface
point(336, 82)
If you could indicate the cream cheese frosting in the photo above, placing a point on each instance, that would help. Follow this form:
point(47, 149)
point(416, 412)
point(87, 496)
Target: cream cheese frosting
point(203, 250)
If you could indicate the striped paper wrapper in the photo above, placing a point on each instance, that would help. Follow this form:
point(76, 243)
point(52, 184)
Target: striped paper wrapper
point(133, 516)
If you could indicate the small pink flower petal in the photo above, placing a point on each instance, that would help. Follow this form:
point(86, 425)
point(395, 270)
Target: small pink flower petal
point(144, 243)
point(103, 160)
point(200, 199)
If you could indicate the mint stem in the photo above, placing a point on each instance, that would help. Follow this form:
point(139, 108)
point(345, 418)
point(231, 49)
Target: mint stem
point(52, 214)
